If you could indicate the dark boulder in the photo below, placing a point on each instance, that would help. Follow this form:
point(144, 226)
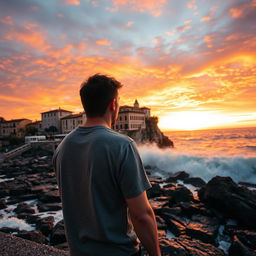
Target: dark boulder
point(169, 247)
point(24, 208)
point(195, 181)
point(183, 246)
point(235, 201)
point(50, 197)
point(179, 194)
point(177, 176)
point(48, 207)
point(2, 204)
point(192, 208)
point(34, 235)
point(197, 248)
point(238, 248)
point(9, 230)
point(155, 191)
point(203, 228)
point(45, 225)
point(58, 234)
point(175, 224)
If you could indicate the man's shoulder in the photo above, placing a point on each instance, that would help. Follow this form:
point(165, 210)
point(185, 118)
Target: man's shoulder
point(118, 137)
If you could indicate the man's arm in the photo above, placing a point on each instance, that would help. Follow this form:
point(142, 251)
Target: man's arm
point(143, 219)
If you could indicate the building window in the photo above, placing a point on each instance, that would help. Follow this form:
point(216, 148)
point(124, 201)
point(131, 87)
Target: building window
point(126, 126)
point(121, 127)
point(120, 118)
point(125, 118)
point(117, 127)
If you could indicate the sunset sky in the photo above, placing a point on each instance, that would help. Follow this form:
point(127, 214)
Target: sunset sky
point(193, 62)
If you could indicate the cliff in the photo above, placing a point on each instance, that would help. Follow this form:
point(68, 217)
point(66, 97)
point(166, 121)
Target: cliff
point(151, 134)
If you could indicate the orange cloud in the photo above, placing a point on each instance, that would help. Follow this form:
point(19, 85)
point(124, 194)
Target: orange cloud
point(192, 5)
point(7, 20)
point(187, 21)
point(151, 6)
point(129, 24)
point(236, 13)
point(71, 2)
point(205, 18)
point(31, 37)
point(103, 42)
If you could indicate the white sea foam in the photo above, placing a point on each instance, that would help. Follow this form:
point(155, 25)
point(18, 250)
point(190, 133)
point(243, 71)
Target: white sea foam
point(14, 222)
point(239, 168)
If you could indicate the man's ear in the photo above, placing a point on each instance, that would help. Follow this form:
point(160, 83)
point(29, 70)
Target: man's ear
point(112, 104)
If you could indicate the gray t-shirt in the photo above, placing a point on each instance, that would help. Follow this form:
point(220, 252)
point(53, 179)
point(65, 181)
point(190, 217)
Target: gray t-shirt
point(97, 169)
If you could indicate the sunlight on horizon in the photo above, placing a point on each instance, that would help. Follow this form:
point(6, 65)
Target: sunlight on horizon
point(198, 120)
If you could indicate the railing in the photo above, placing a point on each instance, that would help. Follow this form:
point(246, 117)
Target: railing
point(17, 151)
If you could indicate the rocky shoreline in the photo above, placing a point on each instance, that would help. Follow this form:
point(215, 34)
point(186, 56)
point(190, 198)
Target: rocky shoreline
point(194, 217)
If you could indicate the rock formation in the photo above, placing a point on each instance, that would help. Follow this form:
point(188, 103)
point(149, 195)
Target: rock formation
point(151, 134)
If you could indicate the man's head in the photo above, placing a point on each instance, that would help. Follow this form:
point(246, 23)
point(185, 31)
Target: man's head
point(98, 93)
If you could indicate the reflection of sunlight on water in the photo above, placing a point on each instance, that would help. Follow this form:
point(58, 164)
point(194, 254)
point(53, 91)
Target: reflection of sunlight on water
point(226, 142)
point(239, 167)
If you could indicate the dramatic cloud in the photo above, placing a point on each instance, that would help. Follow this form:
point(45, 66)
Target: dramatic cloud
point(188, 57)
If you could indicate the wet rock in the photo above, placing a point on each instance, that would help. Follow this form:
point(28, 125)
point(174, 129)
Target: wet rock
point(155, 191)
point(45, 225)
point(158, 202)
point(9, 230)
point(49, 207)
point(179, 194)
point(195, 181)
point(177, 176)
point(192, 208)
point(168, 210)
point(2, 204)
point(34, 235)
point(238, 248)
point(169, 247)
point(58, 234)
point(42, 188)
point(198, 248)
point(18, 189)
point(203, 228)
point(247, 237)
point(63, 246)
point(4, 190)
point(161, 225)
point(50, 197)
point(24, 208)
point(31, 219)
point(175, 224)
point(26, 197)
point(183, 246)
point(235, 201)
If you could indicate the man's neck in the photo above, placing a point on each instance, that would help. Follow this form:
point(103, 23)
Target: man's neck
point(96, 121)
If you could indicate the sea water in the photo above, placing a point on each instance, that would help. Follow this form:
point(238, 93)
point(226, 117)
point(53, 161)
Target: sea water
point(207, 153)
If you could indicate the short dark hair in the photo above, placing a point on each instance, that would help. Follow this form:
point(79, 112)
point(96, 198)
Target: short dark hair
point(97, 92)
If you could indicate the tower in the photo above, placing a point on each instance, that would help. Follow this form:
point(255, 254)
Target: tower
point(136, 104)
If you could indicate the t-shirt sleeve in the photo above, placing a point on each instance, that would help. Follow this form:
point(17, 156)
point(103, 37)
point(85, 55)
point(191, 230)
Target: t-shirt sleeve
point(132, 177)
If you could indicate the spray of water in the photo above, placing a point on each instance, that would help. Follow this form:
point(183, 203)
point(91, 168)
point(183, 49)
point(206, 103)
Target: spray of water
point(239, 168)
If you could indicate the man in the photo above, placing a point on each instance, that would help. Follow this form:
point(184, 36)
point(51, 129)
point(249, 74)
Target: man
point(102, 181)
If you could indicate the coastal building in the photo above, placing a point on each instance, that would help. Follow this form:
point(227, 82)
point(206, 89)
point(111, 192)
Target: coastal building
point(15, 127)
point(52, 118)
point(132, 118)
point(37, 125)
point(70, 122)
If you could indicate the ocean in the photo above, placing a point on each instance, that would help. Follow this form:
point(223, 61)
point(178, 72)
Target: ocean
point(206, 153)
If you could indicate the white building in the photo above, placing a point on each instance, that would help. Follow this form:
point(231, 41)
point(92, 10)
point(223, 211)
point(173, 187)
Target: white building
point(53, 117)
point(70, 122)
point(132, 118)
